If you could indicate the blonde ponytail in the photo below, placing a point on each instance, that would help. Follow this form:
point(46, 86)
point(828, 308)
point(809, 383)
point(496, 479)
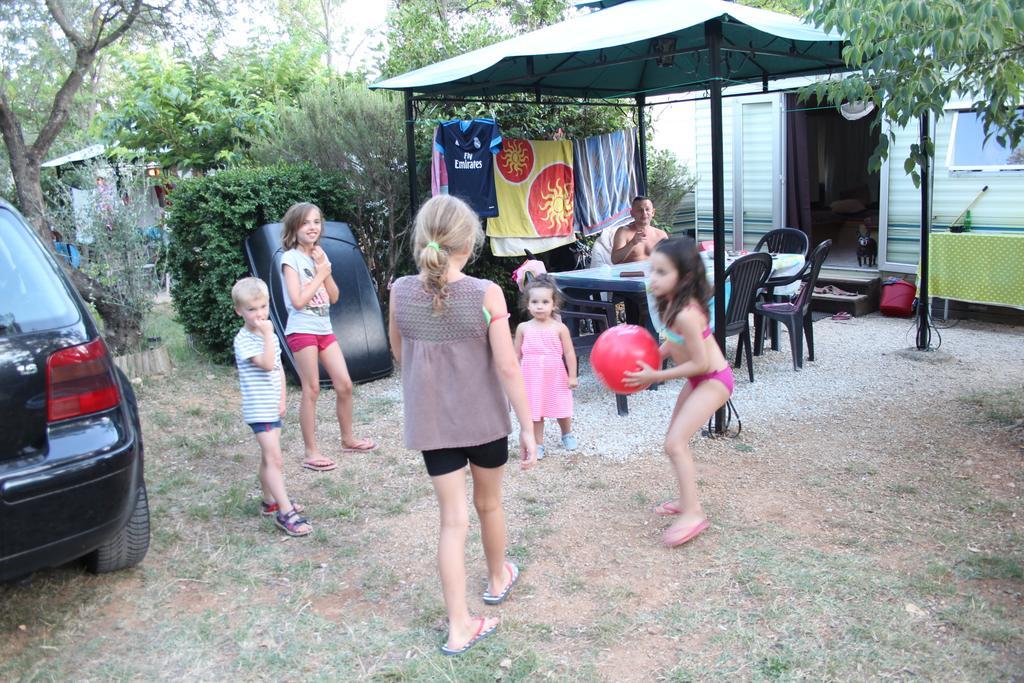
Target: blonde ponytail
point(444, 225)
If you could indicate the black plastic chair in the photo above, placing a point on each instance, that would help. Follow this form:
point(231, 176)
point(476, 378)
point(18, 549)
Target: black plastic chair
point(779, 241)
point(796, 314)
point(746, 276)
point(784, 241)
point(601, 315)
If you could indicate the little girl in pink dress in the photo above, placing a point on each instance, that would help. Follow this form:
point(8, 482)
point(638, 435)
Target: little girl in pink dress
point(548, 360)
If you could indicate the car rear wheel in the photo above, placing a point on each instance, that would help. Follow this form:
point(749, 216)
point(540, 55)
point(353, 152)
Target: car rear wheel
point(129, 546)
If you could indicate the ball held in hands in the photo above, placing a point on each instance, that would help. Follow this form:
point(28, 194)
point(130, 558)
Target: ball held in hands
point(619, 350)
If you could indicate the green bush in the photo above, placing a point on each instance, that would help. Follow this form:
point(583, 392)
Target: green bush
point(668, 182)
point(208, 221)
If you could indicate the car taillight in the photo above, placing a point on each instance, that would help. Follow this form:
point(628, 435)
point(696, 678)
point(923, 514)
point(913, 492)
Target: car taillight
point(80, 381)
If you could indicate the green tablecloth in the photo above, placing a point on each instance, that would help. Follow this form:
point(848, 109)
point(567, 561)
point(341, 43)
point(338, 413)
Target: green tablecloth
point(983, 268)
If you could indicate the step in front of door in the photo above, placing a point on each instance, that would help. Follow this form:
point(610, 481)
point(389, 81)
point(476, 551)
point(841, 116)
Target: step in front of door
point(860, 294)
point(857, 305)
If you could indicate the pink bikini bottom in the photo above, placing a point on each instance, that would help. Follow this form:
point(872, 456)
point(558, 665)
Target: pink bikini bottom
point(724, 376)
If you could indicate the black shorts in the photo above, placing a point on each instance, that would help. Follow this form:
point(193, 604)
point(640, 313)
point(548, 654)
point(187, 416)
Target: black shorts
point(446, 460)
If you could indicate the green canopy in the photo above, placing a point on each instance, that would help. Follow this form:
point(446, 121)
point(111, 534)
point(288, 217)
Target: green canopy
point(644, 47)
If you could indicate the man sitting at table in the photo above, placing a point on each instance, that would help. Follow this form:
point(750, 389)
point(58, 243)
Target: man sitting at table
point(636, 241)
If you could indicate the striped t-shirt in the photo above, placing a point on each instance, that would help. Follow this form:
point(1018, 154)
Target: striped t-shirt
point(261, 389)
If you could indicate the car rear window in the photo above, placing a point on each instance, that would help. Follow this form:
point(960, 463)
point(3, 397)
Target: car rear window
point(33, 295)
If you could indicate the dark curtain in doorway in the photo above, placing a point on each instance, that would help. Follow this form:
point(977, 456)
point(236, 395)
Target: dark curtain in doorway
point(798, 190)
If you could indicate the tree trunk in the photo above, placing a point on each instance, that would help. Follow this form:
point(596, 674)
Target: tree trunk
point(30, 196)
point(122, 331)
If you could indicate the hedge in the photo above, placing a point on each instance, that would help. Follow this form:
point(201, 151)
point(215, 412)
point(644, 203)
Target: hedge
point(208, 221)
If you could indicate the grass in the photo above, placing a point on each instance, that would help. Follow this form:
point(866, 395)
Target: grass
point(1004, 409)
point(985, 566)
point(818, 566)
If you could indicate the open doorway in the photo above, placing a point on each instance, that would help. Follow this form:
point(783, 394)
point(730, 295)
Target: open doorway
point(830, 193)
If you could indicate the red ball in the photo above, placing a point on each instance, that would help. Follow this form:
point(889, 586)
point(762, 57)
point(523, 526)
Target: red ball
point(618, 350)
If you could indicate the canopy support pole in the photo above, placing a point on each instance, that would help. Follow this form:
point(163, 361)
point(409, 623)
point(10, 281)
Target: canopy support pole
point(641, 101)
point(923, 329)
point(713, 39)
point(410, 153)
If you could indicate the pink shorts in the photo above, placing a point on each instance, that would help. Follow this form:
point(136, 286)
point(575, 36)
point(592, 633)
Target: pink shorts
point(300, 340)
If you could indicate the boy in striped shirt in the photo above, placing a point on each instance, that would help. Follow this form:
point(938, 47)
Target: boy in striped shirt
point(258, 358)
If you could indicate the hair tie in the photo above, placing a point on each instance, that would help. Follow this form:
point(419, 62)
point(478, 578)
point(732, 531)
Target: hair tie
point(435, 246)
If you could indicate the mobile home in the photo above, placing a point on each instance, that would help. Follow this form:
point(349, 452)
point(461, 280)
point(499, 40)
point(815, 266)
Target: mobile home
point(800, 164)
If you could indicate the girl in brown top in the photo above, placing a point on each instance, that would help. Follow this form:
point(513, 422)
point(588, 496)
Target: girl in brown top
point(450, 334)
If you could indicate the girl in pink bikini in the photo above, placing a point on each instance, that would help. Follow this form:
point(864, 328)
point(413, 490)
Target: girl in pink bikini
point(680, 287)
point(548, 360)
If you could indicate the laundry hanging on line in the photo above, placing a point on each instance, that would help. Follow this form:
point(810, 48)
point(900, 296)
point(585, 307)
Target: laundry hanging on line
point(606, 172)
point(518, 246)
point(534, 186)
point(438, 171)
point(468, 148)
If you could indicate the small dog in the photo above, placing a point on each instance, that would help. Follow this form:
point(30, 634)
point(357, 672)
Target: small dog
point(867, 250)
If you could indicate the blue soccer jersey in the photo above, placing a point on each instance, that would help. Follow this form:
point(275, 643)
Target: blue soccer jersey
point(468, 148)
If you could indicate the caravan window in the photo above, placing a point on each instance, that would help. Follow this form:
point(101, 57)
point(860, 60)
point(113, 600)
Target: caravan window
point(968, 153)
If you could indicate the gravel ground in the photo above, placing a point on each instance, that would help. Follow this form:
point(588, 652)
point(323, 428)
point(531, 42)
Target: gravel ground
point(866, 369)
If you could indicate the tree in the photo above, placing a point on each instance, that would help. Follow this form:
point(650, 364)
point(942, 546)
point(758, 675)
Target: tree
point(912, 57)
point(361, 134)
point(794, 7)
point(421, 32)
point(200, 113)
point(668, 183)
point(70, 35)
point(318, 19)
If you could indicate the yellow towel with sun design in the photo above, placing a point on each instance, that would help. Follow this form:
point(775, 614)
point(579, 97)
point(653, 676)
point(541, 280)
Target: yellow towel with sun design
point(533, 182)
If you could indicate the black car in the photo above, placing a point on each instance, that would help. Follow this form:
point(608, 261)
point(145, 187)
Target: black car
point(71, 482)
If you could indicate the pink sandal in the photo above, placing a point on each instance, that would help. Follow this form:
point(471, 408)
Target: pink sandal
point(667, 508)
point(672, 539)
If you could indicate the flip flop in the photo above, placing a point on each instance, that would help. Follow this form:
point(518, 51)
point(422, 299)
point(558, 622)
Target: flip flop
point(500, 598)
point(320, 465)
point(667, 509)
point(841, 315)
point(477, 637)
point(672, 540)
point(365, 446)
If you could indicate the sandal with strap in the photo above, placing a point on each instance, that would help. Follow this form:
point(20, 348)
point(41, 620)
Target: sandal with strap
point(268, 509)
point(291, 524)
